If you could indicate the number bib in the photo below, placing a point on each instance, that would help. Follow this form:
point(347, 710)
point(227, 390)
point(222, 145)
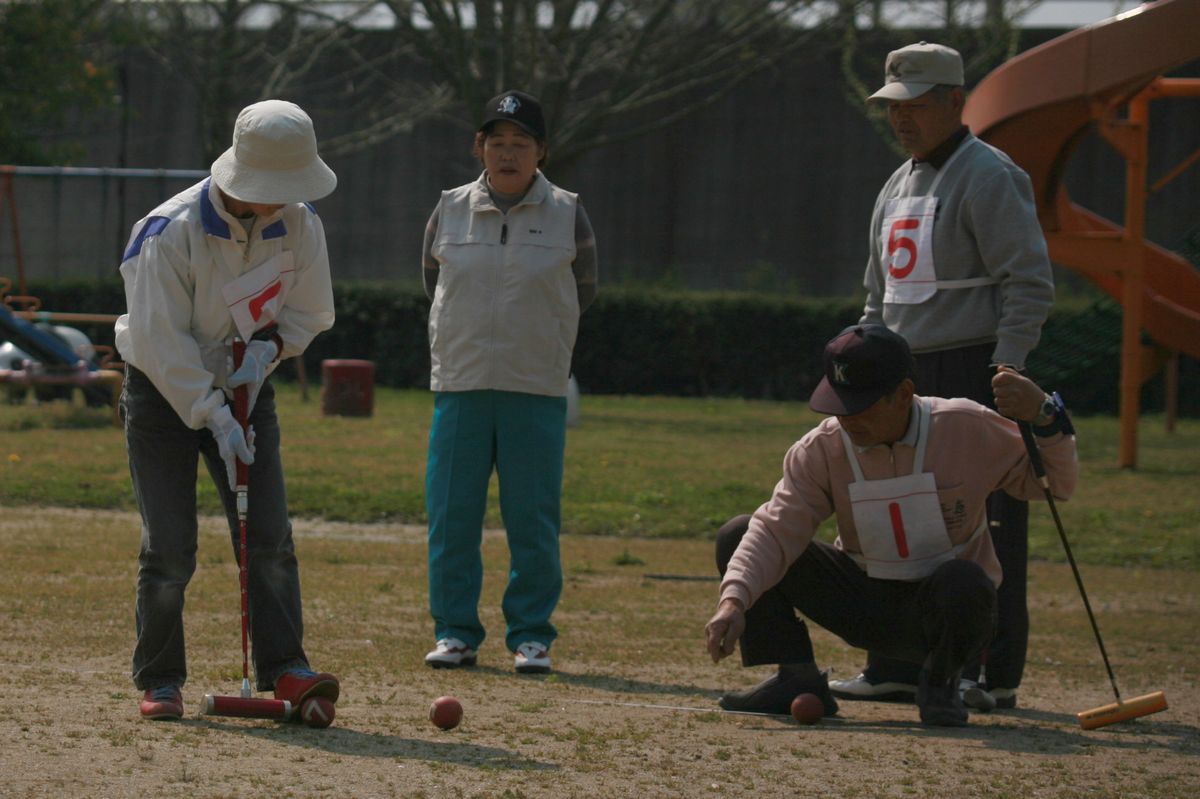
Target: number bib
point(907, 250)
point(899, 520)
point(906, 245)
point(256, 298)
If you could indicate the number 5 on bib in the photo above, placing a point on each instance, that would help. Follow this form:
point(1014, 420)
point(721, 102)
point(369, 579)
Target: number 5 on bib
point(906, 244)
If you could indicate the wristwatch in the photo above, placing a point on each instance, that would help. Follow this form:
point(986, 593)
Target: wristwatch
point(1052, 418)
point(1046, 413)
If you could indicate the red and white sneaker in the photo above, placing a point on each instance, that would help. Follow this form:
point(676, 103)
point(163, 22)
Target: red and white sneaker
point(532, 658)
point(451, 653)
point(164, 703)
point(299, 684)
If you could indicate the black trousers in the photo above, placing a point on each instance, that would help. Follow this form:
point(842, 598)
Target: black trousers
point(939, 622)
point(966, 372)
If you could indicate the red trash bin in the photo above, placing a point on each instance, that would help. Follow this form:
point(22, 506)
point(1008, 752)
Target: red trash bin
point(347, 387)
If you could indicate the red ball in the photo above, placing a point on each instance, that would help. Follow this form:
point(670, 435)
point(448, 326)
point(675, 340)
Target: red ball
point(808, 708)
point(445, 712)
point(317, 712)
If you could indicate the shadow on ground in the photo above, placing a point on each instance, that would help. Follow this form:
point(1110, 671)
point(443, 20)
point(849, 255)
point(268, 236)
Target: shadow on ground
point(346, 741)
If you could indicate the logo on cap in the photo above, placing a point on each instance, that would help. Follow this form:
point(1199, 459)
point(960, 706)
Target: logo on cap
point(509, 105)
point(839, 373)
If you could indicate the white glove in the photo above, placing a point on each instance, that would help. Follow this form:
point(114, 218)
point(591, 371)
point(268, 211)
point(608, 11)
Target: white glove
point(253, 371)
point(231, 442)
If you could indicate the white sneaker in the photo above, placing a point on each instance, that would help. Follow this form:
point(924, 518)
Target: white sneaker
point(862, 688)
point(450, 653)
point(532, 658)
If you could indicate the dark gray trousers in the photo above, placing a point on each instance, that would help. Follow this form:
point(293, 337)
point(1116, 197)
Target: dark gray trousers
point(966, 372)
point(163, 457)
point(939, 622)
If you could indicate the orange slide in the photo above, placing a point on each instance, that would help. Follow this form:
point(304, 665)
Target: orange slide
point(1037, 107)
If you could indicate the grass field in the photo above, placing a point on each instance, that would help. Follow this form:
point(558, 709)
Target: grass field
point(630, 709)
point(636, 466)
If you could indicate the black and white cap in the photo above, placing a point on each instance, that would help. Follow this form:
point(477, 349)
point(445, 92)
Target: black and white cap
point(519, 108)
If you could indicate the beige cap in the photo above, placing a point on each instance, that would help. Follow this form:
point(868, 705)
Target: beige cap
point(274, 157)
point(911, 71)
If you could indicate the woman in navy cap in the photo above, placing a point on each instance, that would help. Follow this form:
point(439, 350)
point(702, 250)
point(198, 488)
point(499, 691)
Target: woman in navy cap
point(509, 262)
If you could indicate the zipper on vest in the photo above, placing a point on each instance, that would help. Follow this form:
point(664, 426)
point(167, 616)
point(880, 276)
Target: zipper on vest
point(504, 233)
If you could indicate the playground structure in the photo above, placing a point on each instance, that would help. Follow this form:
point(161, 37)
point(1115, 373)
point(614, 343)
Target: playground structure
point(1038, 106)
point(52, 362)
point(24, 323)
point(21, 316)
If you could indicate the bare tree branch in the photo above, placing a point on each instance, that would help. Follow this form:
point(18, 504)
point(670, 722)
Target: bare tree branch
point(985, 41)
point(606, 70)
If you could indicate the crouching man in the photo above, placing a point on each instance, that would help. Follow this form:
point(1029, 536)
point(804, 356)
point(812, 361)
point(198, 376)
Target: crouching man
point(912, 573)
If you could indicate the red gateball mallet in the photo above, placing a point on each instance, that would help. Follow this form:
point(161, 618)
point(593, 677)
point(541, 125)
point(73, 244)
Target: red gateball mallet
point(246, 705)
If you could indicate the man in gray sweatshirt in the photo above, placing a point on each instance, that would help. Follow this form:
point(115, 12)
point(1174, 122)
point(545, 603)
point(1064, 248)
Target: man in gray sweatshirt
point(958, 267)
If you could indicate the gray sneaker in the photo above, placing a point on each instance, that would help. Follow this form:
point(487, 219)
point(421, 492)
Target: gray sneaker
point(1006, 698)
point(975, 697)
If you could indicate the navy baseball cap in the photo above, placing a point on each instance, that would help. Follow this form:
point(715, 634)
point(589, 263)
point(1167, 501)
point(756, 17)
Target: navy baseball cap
point(519, 108)
point(863, 363)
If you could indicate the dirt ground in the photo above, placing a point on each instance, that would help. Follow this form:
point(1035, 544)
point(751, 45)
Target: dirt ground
point(629, 711)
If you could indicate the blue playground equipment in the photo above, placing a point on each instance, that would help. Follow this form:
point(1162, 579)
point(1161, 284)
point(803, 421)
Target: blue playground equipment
point(42, 345)
point(56, 362)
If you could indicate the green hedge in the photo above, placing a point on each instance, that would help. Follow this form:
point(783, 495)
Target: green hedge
point(630, 342)
point(697, 344)
point(377, 323)
point(682, 343)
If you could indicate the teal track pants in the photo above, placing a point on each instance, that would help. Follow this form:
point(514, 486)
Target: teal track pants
point(523, 437)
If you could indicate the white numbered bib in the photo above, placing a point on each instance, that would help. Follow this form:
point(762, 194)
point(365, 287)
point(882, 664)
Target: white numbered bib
point(907, 250)
point(256, 298)
point(899, 520)
point(906, 246)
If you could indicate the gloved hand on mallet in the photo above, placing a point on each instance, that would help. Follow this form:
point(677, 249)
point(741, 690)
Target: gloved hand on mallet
point(253, 371)
point(232, 443)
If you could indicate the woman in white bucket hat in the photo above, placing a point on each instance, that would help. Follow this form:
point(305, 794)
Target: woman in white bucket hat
point(240, 254)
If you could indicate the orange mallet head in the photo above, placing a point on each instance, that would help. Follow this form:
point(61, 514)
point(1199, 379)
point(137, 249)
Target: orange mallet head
point(1123, 711)
point(1119, 710)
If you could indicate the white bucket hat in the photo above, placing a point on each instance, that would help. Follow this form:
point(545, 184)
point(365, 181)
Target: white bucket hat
point(911, 71)
point(274, 158)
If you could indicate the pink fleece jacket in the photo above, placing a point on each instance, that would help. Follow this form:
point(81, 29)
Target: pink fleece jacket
point(972, 452)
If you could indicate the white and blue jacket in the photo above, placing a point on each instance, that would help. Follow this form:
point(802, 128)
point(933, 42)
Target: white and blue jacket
point(177, 266)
